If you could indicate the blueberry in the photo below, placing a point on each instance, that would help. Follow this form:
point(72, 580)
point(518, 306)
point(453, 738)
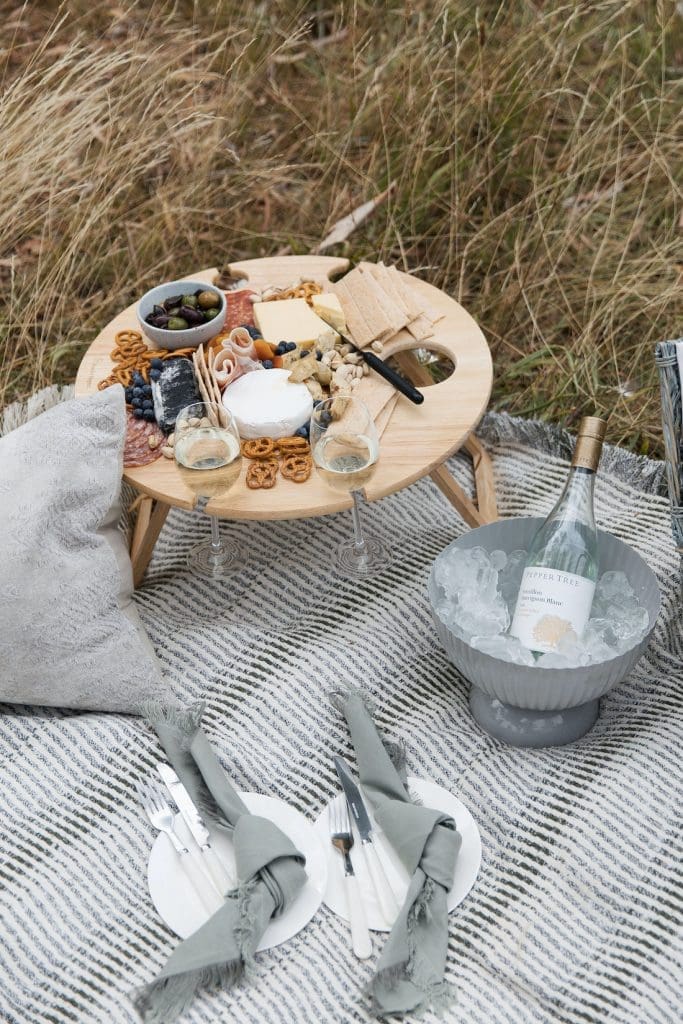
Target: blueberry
point(267, 364)
point(154, 374)
point(253, 331)
point(290, 346)
point(138, 413)
point(129, 395)
point(138, 379)
point(147, 390)
point(137, 392)
point(156, 364)
point(148, 403)
point(302, 431)
point(137, 403)
point(281, 348)
point(149, 415)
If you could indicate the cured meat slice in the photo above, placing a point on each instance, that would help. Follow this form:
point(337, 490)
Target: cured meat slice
point(136, 449)
point(240, 309)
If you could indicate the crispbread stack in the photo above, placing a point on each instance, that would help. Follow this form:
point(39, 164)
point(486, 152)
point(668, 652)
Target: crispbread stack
point(378, 302)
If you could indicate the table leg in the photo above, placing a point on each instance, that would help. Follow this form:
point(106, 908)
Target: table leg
point(486, 509)
point(151, 517)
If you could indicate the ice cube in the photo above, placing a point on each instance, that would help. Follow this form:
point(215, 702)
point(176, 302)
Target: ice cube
point(498, 559)
point(482, 617)
point(462, 571)
point(554, 660)
point(505, 647)
point(613, 588)
point(510, 577)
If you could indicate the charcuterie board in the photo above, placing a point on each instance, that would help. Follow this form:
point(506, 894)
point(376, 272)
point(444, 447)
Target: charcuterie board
point(415, 440)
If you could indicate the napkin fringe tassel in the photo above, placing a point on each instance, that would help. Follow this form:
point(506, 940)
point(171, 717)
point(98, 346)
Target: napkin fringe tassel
point(162, 1001)
point(184, 721)
point(436, 996)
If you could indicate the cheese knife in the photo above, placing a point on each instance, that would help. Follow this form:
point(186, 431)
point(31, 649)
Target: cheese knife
point(208, 860)
point(384, 370)
point(379, 366)
point(385, 894)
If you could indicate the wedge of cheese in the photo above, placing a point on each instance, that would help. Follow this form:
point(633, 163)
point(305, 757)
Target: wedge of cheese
point(328, 306)
point(289, 320)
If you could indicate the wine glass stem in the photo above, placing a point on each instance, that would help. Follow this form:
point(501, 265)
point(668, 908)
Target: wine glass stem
point(216, 544)
point(358, 538)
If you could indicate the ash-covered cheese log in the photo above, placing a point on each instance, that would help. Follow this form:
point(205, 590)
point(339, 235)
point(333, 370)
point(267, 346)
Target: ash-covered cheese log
point(175, 389)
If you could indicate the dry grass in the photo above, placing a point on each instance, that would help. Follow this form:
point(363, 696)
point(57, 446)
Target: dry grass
point(537, 149)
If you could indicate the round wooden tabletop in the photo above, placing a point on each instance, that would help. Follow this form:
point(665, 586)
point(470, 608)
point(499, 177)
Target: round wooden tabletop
point(416, 440)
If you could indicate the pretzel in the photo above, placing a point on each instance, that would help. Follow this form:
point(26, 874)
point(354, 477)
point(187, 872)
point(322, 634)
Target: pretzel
point(292, 446)
point(259, 448)
point(303, 290)
point(297, 468)
point(131, 354)
point(262, 475)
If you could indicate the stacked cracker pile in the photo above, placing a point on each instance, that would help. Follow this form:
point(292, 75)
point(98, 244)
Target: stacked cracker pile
point(378, 302)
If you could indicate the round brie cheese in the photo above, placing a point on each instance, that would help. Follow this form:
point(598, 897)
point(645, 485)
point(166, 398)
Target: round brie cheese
point(265, 404)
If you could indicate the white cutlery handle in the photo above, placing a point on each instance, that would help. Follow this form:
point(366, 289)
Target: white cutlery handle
point(191, 861)
point(360, 936)
point(222, 880)
point(385, 894)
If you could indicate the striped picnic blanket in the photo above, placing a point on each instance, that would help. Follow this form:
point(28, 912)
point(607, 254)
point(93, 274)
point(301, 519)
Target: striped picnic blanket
point(576, 916)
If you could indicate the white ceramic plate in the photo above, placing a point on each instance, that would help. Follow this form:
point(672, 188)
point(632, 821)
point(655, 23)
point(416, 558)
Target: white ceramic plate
point(466, 868)
point(175, 898)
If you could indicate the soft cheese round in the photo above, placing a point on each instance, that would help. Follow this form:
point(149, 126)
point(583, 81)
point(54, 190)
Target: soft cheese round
point(265, 404)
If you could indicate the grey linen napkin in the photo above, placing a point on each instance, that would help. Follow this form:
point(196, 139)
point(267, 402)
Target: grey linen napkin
point(270, 870)
point(410, 971)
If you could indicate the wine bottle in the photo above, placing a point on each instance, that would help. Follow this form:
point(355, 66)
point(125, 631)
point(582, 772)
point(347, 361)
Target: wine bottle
point(561, 570)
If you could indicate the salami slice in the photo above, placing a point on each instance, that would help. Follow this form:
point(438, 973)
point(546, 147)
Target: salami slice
point(136, 450)
point(240, 309)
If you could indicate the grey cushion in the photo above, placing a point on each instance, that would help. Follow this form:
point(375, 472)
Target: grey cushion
point(70, 635)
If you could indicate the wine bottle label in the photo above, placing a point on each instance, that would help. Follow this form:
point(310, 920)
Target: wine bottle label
point(551, 605)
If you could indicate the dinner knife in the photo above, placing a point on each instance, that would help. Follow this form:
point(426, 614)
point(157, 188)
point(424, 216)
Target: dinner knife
point(209, 861)
point(385, 894)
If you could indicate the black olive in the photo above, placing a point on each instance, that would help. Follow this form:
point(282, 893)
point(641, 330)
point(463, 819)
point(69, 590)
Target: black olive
point(173, 300)
point(191, 315)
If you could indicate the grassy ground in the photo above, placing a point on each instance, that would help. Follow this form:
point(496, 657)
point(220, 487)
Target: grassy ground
point(537, 150)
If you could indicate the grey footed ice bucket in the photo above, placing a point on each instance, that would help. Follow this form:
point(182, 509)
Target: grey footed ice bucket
point(528, 706)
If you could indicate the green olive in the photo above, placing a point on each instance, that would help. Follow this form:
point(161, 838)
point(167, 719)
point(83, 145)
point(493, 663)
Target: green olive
point(211, 313)
point(189, 300)
point(207, 300)
point(176, 323)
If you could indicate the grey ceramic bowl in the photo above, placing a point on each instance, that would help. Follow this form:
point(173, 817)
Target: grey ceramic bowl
point(528, 705)
point(191, 335)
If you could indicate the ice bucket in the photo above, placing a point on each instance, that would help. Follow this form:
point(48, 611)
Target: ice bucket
point(528, 706)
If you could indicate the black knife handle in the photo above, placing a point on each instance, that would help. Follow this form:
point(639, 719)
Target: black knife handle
point(399, 382)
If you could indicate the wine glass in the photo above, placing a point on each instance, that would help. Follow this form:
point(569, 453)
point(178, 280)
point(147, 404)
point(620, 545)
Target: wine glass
point(209, 457)
point(345, 449)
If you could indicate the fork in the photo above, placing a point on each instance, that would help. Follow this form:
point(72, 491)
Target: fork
point(161, 816)
point(342, 839)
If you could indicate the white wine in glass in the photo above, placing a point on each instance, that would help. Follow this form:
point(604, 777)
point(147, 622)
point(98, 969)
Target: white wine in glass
point(346, 461)
point(209, 458)
point(345, 449)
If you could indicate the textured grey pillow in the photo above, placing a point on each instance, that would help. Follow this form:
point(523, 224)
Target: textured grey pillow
point(70, 635)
